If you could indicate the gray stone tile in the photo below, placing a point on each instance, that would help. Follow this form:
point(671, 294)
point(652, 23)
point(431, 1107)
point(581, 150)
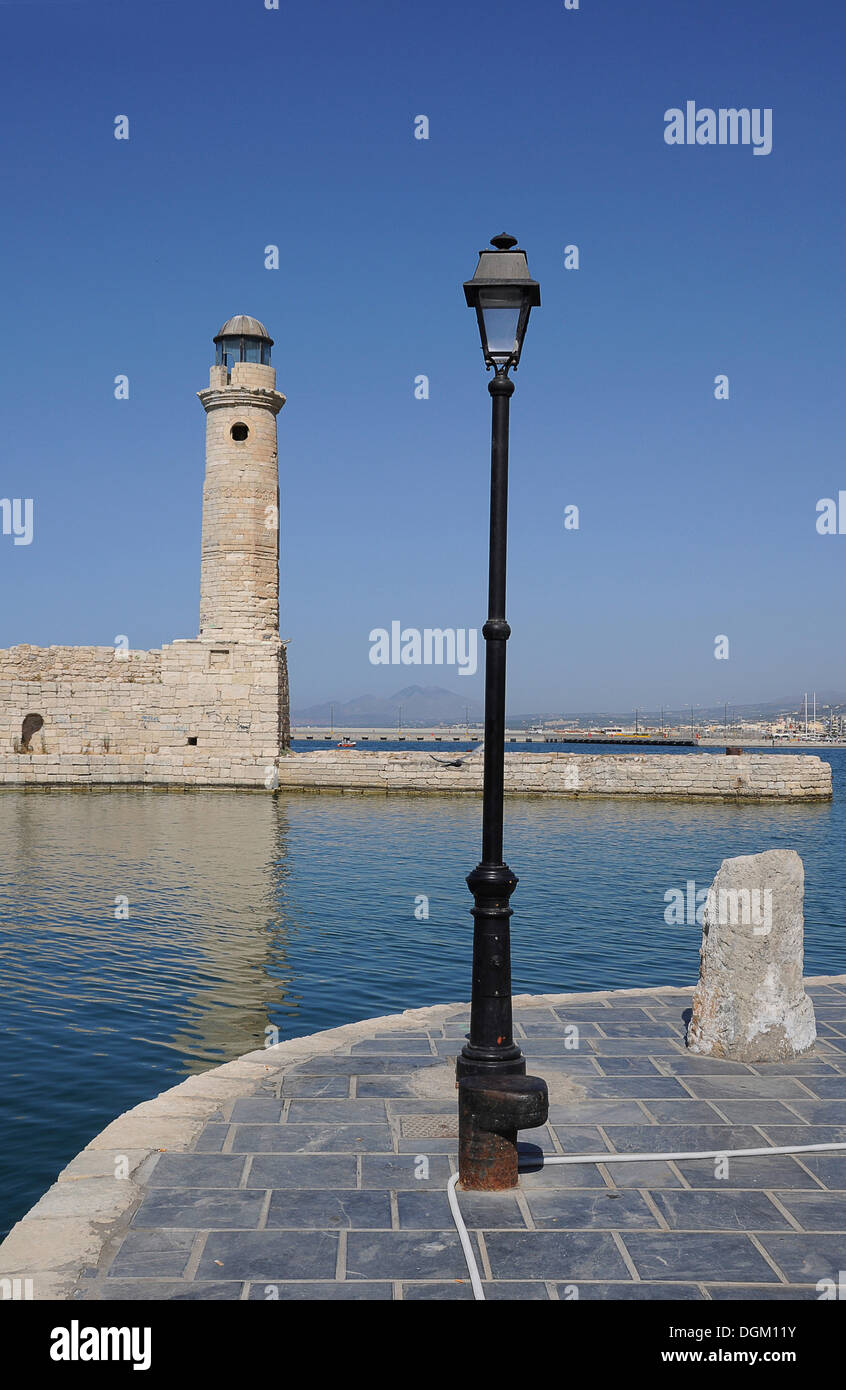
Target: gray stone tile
point(359, 1111)
point(798, 1133)
point(570, 1255)
point(606, 1210)
point(269, 1255)
point(412, 1255)
point(257, 1110)
point(330, 1210)
point(683, 1138)
point(630, 1047)
point(757, 1112)
point(822, 1112)
point(556, 1029)
point(152, 1253)
point(437, 1145)
point(817, 1211)
point(381, 1086)
point(313, 1138)
point(480, 1210)
point(320, 1291)
point(539, 1177)
point(643, 1175)
point(806, 1258)
point(199, 1208)
point(197, 1170)
point(633, 1088)
point(595, 1013)
point(398, 1171)
point(361, 1066)
point(416, 1047)
point(733, 1293)
point(829, 1169)
point(720, 1209)
point(418, 1105)
point(167, 1290)
point(624, 1066)
point(641, 1292)
point(211, 1138)
point(801, 1067)
point(645, 1030)
point(303, 1172)
point(753, 1087)
point(329, 1086)
point(688, 1065)
point(572, 1065)
point(414, 1034)
point(598, 1112)
point(503, 1291)
point(456, 1291)
point(780, 1170)
point(684, 1112)
point(713, 1255)
point(574, 1139)
point(827, 1087)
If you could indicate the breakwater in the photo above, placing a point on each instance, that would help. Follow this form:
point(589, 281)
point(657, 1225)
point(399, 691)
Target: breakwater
point(712, 776)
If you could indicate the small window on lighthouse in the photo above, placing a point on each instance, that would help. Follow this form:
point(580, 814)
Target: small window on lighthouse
point(239, 432)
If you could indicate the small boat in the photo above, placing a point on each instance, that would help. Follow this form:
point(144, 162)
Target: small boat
point(346, 744)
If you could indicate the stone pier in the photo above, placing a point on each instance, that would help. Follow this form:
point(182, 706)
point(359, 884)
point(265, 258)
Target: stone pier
point(684, 776)
point(317, 1169)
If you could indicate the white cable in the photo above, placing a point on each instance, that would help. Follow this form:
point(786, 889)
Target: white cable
point(478, 1291)
point(463, 1236)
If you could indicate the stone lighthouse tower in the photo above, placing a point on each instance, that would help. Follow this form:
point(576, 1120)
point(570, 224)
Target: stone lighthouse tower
point(239, 585)
point(239, 588)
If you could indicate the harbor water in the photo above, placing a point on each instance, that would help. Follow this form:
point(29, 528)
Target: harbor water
point(147, 935)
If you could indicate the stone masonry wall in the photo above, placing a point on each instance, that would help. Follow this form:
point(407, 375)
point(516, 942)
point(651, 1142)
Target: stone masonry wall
point(108, 716)
point(754, 777)
point(83, 694)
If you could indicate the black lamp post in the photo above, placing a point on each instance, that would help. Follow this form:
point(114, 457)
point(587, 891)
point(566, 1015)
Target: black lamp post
point(502, 293)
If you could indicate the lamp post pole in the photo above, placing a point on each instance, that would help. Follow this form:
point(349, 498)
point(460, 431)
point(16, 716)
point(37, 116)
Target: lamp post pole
point(502, 293)
point(496, 1098)
point(491, 1048)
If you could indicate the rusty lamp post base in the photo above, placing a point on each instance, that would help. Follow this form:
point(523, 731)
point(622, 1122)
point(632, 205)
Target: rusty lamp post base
point(491, 1109)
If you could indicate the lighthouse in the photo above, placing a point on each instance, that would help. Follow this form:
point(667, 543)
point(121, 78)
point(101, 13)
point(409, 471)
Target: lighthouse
point(210, 710)
point(239, 586)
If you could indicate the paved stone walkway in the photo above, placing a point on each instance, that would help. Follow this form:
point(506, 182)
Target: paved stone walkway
point(328, 1180)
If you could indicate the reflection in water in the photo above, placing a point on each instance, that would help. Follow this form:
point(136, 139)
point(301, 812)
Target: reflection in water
point(298, 911)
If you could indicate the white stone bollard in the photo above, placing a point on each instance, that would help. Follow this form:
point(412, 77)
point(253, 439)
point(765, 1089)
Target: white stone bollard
point(750, 1004)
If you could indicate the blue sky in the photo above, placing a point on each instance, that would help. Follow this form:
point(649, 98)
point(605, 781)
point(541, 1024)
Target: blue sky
point(295, 127)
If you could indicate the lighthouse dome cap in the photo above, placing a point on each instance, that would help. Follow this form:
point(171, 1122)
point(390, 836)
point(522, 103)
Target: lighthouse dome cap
point(244, 326)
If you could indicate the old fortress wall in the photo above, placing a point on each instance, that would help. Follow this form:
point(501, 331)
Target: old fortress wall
point(211, 710)
point(194, 711)
point(712, 776)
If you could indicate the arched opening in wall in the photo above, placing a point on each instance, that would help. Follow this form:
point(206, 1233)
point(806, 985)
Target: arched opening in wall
point(239, 432)
point(31, 725)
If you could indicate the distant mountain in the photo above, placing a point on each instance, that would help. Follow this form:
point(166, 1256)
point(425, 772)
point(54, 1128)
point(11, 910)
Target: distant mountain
point(422, 706)
point(428, 706)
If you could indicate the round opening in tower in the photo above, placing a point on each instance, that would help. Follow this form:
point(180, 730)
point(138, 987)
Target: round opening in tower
point(239, 432)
